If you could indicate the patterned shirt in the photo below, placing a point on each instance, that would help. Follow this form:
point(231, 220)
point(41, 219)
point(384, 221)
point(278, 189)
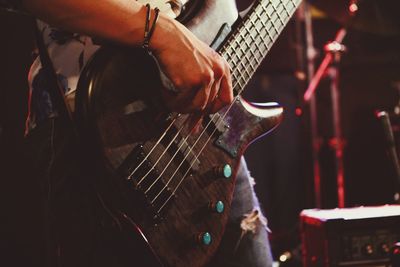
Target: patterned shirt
point(69, 53)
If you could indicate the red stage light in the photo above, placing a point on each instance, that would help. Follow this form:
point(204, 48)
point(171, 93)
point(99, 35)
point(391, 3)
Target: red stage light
point(298, 112)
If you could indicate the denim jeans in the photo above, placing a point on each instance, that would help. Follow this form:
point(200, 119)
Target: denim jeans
point(242, 244)
point(72, 213)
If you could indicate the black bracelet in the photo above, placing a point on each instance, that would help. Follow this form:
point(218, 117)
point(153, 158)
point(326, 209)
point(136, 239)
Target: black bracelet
point(148, 32)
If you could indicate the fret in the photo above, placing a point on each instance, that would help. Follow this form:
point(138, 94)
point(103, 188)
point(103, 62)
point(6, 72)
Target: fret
point(252, 40)
point(287, 10)
point(238, 83)
point(236, 91)
point(266, 29)
point(272, 21)
point(243, 51)
point(242, 62)
point(237, 76)
point(236, 52)
point(239, 80)
point(238, 69)
point(262, 38)
point(276, 11)
point(270, 18)
point(242, 69)
point(235, 62)
point(247, 65)
point(279, 11)
point(259, 36)
point(293, 6)
point(228, 56)
point(249, 49)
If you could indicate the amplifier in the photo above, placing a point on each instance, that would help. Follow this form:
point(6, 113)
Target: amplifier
point(362, 236)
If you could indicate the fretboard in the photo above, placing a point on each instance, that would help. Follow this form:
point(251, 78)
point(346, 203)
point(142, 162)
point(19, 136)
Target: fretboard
point(253, 38)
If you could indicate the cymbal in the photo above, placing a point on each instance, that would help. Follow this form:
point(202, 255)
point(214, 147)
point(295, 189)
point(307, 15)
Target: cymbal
point(372, 16)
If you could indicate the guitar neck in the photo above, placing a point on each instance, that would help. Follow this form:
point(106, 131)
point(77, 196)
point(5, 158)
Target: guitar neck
point(253, 38)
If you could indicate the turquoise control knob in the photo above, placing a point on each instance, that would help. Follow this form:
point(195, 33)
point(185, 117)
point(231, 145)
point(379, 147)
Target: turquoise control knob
point(224, 171)
point(227, 171)
point(217, 207)
point(205, 238)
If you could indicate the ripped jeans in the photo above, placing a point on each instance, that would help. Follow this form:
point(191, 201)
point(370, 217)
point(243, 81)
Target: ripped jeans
point(71, 212)
point(245, 242)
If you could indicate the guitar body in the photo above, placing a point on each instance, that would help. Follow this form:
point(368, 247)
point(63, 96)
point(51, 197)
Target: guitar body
point(175, 184)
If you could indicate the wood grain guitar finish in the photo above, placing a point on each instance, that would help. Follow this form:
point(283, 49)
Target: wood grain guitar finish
point(177, 184)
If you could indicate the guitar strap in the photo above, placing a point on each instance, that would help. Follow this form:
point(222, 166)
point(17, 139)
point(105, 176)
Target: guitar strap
point(56, 90)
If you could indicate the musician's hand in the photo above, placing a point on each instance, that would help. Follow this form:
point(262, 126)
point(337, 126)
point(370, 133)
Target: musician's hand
point(198, 73)
point(201, 77)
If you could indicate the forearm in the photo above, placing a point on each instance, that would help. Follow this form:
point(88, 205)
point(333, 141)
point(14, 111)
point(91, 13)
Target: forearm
point(198, 73)
point(121, 21)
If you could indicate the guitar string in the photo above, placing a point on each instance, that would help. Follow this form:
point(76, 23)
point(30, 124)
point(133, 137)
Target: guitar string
point(176, 188)
point(268, 33)
point(171, 160)
point(159, 158)
point(193, 145)
point(173, 157)
point(199, 153)
point(147, 156)
point(191, 149)
point(175, 154)
point(157, 143)
point(187, 171)
point(172, 123)
point(221, 119)
point(174, 139)
point(164, 152)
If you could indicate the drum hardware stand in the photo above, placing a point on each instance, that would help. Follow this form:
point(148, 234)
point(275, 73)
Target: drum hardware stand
point(315, 144)
point(329, 66)
point(390, 143)
point(383, 116)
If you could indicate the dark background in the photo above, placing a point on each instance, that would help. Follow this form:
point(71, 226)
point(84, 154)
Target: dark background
point(20, 231)
point(280, 162)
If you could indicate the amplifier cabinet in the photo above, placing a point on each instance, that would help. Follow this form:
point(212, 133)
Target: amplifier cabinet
point(362, 236)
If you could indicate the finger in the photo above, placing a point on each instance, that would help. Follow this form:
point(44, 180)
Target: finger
point(220, 71)
point(200, 100)
point(226, 91)
point(195, 121)
point(218, 104)
point(225, 95)
point(213, 97)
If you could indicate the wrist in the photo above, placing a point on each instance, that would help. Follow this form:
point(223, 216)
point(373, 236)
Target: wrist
point(165, 26)
point(149, 26)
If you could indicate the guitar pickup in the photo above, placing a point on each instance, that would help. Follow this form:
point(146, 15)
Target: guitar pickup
point(181, 151)
point(187, 151)
point(139, 172)
point(215, 123)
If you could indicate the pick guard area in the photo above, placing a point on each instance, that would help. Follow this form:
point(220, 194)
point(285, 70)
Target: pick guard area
point(247, 122)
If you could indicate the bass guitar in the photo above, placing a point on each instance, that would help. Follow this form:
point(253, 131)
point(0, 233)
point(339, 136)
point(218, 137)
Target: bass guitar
point(176, 185)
